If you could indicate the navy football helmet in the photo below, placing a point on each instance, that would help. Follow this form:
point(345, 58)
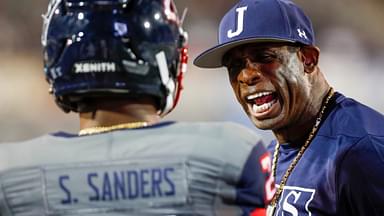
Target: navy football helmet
point(113, 49)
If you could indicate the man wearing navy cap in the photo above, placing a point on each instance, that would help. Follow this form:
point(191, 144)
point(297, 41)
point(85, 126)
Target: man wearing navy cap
point(329, 149)
point(119, 65)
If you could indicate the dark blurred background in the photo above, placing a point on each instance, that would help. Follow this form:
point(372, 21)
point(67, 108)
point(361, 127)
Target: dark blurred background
point(350, 34)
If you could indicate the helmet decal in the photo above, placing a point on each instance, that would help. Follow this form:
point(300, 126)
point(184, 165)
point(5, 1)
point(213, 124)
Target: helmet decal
point(89, 67)
point(121, 28)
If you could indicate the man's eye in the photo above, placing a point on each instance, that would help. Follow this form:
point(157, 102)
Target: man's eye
point(237, 65)
point(234, 64)
point(234, 68)
point(264, 58)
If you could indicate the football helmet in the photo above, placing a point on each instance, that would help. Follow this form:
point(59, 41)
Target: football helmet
point(100, 49)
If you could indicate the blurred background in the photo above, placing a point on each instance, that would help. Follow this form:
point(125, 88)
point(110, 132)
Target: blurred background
point(350, 34)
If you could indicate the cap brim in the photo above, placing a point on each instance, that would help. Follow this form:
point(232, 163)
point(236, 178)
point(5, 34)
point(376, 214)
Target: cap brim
point(212, 58)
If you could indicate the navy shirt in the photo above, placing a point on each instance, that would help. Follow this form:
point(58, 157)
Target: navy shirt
point(342, 171)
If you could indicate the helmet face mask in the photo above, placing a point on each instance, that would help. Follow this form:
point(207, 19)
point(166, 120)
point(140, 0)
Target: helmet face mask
point(113, 49)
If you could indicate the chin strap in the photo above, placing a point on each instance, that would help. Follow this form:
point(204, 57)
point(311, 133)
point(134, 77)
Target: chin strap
point(173, 89)
point(167, 82)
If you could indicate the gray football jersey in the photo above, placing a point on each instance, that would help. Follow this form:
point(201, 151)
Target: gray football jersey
point(166, 169)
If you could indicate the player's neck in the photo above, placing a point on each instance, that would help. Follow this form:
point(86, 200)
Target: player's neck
point(127, 113)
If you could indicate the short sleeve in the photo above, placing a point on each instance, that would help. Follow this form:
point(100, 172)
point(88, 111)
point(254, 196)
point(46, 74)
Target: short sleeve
point(361, 179)
point(256, 182)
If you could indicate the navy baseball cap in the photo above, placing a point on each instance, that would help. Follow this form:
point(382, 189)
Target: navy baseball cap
point(258, 21)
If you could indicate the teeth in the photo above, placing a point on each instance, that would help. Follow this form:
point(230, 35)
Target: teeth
point(259, 94)
point(262, 108)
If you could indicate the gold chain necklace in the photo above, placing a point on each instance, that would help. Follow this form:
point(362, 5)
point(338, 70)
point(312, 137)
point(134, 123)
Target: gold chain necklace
point(272, 206)
point(103, 129)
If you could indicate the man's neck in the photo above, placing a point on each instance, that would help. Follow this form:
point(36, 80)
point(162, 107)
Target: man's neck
point(295, 135)
point(121, 113)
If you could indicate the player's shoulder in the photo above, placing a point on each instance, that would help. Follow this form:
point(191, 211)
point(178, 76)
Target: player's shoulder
point(221, 130)
point(20, 143)
point(229, 141)
point(216, 125)
point(17, 151)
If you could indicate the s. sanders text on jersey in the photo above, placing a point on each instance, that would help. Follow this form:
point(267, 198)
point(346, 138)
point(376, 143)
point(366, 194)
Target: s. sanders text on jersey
point(123, 185)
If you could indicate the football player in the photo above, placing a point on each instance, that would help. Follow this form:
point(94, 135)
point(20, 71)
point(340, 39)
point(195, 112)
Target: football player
point(120, 64)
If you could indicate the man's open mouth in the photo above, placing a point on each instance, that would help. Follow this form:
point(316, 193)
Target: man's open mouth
point(261, 102)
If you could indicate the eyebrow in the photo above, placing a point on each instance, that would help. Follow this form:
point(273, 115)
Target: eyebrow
point(291, 47)
point(239, 52)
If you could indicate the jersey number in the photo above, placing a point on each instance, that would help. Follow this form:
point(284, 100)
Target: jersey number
point(266, 165)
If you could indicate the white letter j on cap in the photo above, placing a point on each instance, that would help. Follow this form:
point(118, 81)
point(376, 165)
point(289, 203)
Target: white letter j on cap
point(240, 22)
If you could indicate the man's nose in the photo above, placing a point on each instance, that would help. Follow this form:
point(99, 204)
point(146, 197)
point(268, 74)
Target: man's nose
point(250, 74)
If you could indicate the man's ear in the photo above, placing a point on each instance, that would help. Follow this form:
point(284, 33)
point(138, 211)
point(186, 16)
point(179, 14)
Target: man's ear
point(310, 57)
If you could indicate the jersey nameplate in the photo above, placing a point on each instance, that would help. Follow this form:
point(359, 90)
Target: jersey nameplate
point(123, 185)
